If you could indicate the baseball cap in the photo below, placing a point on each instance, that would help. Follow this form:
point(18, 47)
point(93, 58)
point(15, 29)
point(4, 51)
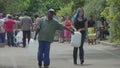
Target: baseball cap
point(52, 10)
point(8, 15)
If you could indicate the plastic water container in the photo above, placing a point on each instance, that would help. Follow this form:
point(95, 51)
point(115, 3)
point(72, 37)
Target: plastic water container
point(19, 37)
point(76, 39)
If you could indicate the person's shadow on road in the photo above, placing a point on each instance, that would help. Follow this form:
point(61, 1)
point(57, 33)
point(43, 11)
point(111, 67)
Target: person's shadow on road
point(83, 64)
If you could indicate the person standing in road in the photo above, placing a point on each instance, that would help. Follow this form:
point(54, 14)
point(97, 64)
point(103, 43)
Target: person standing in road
point(46, 29)
point(61, 32)
point(67, 34)
point(9, 27)
point(80, 24)
point(26, 23)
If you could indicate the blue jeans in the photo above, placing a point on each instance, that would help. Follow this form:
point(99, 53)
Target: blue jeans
point(2, 37)
point(81, 50)
point(43, 53)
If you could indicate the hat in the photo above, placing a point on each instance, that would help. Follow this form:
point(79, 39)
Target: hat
point(8, 15)
point(51, 10)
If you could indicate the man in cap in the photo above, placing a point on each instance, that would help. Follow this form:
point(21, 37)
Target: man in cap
point(46, 29)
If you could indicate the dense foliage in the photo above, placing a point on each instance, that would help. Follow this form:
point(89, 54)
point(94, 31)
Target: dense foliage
point(94, 7)
point(112, 13)
point(36, 6)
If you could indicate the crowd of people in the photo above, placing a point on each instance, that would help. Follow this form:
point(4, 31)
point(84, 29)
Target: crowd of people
point(45, 28)
point(11, 24)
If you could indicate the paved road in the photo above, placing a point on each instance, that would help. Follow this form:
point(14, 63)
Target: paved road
point(97, 56)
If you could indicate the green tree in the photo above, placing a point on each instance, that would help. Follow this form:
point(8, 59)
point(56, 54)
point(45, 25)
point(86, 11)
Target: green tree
point(2, 5)
point(94, 7)
point(11, 6)
point(112, 13)
point(36, 6)
point(65, 10)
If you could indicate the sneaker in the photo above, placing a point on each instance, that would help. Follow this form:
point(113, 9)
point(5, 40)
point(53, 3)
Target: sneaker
point(40, 65)
point(75, 63)
point(82, 61)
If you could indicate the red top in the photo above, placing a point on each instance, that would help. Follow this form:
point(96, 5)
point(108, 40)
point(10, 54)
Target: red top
point(9, 25)
point(67, 23)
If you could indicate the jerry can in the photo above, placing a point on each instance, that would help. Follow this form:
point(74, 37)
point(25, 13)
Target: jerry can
point(76, 39)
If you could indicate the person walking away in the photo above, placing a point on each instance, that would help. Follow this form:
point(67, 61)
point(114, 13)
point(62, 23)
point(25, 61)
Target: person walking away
point(103, 29)
point(46, 29)
point(67, 34)
point(9, 27)
point(80, 24)
point(17, 20)
point(36, 21)
point(26, 23)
